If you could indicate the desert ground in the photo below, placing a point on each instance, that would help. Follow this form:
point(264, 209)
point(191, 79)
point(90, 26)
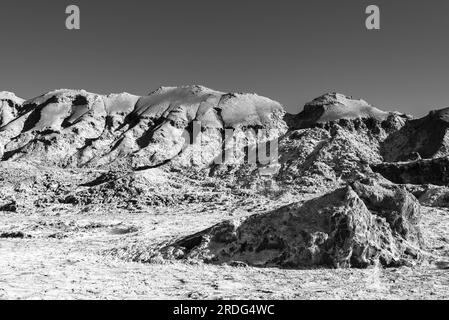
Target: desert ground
point(66, 252)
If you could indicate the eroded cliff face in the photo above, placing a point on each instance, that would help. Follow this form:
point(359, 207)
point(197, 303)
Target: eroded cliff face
point(334, 140)
point(77, 128)
point(418, 152)
point(424, 138)
point(363, 138)
point(334, 136)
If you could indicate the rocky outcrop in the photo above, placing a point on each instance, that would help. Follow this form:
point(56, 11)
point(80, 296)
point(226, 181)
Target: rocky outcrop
point(355, 226)
point(426, 171)
point(424, 138)
point(315, 157)
point(333, 140)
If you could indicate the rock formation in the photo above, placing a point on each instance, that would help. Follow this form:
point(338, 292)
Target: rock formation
point(355, 226)
point(334, 138)
point(421, 138)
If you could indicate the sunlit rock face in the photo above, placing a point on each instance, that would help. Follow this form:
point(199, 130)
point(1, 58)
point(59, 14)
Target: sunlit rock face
point(78, 128)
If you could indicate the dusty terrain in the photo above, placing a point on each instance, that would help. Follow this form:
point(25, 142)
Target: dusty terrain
point(104, 197)
point(76, 266)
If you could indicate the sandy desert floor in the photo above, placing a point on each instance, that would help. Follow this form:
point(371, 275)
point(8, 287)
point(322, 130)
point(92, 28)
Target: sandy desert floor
point(67, 254)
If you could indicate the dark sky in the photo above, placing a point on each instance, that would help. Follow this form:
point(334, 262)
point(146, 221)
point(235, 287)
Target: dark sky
point(291, 51)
